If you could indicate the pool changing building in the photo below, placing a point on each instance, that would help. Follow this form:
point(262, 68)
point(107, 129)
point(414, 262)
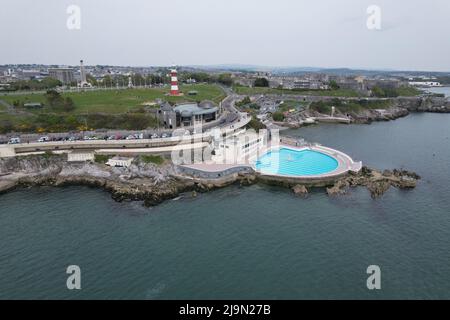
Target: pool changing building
point(187, 114)
point(243, 147)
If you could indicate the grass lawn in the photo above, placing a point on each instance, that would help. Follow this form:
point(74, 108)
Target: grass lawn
point(350, 106)
point(155, 159)
point(408, 91)
point(259, 90)
point(103, 109)
point(121, 101)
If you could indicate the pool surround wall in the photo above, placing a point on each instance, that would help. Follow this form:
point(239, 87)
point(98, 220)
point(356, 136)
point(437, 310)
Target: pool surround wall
point(345, 166)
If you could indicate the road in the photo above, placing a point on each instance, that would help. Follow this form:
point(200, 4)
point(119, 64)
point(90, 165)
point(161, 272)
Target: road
point(231, 119)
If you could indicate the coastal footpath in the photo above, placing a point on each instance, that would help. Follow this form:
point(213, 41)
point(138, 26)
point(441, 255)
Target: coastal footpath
point(154, 184)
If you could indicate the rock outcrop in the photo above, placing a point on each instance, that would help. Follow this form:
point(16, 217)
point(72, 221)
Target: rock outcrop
point(300, 190)
point(154, 184)
point(375, 181)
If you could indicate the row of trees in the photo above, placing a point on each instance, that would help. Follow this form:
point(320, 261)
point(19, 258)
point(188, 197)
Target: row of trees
point(155, 79)
point(44, 84)
point(223, 78)
point(50, 122)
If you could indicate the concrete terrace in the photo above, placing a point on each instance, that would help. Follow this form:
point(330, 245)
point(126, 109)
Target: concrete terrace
point(212, 170)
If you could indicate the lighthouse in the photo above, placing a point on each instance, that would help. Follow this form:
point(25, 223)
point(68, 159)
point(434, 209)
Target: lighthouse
point(174, 91)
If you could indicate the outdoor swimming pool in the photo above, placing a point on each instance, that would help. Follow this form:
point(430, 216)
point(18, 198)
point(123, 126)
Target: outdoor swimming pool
point(291, 162)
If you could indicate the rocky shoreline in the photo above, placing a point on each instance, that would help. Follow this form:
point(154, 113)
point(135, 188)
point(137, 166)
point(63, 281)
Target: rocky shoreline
point(399, 108)
point(155, 184)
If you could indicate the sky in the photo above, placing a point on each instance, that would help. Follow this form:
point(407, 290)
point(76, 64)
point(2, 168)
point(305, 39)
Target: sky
point(413, 34)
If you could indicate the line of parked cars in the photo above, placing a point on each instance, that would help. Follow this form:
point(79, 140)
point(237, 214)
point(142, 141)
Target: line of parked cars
point(136, 136)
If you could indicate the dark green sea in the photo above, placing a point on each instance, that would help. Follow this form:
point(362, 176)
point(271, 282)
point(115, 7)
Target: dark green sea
point(253, 242)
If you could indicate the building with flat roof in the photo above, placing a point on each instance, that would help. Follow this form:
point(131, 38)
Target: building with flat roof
point(119, 162)
point(65, 75)
point(187, 114)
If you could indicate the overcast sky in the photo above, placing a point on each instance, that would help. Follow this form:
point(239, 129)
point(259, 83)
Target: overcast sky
point(414, 35)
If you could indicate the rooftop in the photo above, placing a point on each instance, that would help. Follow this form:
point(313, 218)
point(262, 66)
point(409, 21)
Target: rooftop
point(190, 109)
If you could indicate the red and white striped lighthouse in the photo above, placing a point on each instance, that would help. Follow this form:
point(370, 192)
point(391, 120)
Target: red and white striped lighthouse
point(174, 91)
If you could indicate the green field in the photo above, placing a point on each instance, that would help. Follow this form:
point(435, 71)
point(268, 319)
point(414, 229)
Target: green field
point(121, 101)
point(261, 90)
point(102, 109)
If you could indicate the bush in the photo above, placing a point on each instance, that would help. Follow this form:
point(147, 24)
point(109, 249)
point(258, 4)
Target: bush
point(278, 116)
point(255, 124)
point(101, 158)
point(243, 102)
point(320, 106)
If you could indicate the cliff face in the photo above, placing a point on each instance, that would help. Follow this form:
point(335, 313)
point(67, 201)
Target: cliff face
point(399, 107)
point(427, 104)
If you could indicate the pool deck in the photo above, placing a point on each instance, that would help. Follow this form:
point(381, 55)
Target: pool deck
point(345, 165)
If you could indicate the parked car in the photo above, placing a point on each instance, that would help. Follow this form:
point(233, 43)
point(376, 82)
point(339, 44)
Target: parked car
point(14, 141)
point(43, 139)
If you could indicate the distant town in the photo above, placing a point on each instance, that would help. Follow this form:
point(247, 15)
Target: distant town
point(15, 77)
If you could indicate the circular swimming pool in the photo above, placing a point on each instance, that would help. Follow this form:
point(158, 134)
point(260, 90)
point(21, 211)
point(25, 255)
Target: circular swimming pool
point(291, 162)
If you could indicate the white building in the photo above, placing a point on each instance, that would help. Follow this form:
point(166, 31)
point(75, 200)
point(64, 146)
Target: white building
point(119, 162)
point(425, 84)
point(240, 148)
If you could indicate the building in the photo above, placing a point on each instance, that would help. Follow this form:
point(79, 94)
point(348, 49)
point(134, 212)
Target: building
point(243, 147)
point(33, 105)
point(119, 162)
point(187, 114)
point(425, 84)
point(65, 75)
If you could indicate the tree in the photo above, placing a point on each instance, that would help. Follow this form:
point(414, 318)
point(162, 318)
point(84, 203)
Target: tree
point(261, 82)
point(54, 98)
point(225, 78)
point(91, 79)
point(334, 85)
point(137, 79)
point(378, 92)
point(244, 101)
point(68, 104)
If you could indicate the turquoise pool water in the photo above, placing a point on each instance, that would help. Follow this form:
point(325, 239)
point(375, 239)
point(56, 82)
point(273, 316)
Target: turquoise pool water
point(296, 163)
